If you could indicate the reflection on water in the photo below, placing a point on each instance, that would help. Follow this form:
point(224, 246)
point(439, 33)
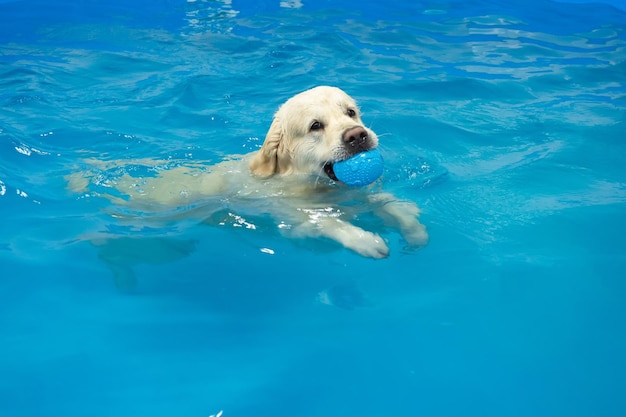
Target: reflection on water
point(209, 16)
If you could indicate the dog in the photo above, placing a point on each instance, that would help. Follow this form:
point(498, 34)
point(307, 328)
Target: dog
point(290, 178)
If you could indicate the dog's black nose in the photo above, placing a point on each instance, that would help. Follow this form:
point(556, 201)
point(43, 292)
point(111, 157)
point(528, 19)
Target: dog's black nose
point(355, 137)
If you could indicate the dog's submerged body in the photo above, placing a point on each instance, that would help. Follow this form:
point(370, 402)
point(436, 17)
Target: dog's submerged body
point(290, 178)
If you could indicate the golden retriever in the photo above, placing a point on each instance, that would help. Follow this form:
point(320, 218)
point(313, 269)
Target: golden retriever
point(290, 178)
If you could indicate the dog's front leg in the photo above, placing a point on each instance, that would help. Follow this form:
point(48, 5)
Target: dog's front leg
point(403, 215)
point(352, 237)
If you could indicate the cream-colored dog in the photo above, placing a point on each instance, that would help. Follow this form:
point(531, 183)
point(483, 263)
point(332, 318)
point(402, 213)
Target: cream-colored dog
point(290, 177)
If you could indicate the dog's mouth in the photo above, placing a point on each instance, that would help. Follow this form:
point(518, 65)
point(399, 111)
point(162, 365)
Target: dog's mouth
point(328, 169)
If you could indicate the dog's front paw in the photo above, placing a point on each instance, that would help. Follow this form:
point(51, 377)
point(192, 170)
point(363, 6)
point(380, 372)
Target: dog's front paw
point(370, 245)
point(416, 237)
point(350, 236)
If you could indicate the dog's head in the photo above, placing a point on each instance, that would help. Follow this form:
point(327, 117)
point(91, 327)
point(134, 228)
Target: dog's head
point(310, 132)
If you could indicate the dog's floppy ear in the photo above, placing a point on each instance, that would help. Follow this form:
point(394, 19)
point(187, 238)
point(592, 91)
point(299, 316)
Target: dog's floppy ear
point(265, 162)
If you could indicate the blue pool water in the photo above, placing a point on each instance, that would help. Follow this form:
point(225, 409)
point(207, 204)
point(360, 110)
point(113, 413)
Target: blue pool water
point(504, 122)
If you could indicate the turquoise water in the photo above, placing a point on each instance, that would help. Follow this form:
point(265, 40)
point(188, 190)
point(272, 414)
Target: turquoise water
point(504, 123)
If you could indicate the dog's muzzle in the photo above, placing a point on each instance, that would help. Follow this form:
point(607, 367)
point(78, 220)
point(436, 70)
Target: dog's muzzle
point(355, 140)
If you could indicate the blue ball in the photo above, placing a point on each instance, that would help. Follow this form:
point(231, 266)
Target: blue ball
point(361, 169)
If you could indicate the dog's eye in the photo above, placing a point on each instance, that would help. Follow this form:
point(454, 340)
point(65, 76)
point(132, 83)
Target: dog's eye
point(351, 112)
point(317, 125)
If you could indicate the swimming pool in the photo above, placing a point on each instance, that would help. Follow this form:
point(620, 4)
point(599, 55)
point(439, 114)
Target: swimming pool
point(504, 123)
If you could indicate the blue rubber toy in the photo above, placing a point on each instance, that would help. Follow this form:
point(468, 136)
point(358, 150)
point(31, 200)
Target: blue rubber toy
point(362, 169)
